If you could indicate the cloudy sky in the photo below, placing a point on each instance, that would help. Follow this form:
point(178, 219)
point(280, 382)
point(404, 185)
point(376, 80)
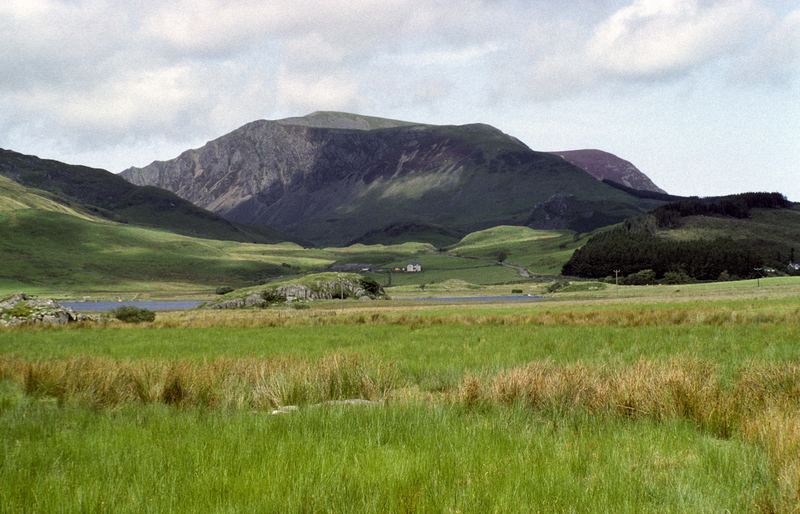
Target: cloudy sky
point(703, 95)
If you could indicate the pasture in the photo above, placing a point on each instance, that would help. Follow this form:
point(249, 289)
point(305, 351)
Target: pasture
point(654, 402)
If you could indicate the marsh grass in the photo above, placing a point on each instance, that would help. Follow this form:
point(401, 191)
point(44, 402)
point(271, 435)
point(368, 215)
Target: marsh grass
point(397, 458)
point(678, 315)
point(589, 370)
point(760, 407)
point(223, 383)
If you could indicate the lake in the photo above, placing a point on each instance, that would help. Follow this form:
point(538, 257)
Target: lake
point(458, 299)
point(153, 305)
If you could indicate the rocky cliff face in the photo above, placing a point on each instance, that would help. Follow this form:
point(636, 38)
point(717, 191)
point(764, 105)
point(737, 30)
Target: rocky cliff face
point(334, 178)
point(606, 166)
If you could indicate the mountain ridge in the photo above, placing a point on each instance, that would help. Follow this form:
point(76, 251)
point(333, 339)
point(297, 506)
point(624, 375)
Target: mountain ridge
point(336, 185)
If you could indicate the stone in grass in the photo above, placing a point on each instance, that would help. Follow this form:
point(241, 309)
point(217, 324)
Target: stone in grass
point(286, 409)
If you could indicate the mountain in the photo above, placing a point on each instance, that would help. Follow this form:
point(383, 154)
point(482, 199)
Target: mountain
point(102, 193)
point(344, 120)
point(337, 178)
point(607, 166)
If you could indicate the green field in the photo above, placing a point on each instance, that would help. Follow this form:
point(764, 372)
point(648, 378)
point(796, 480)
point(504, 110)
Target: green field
point(589, 402)
point(50, 248)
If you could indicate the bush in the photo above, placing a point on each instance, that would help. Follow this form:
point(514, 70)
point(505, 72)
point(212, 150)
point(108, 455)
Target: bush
point(502, 255)
point(130, 314)
point(272, 296)
point(20, 310)
point(557, 286)
point(516, 291)
point(371, 286)
point(640, 278)
point(677, 277)
point(224, 290)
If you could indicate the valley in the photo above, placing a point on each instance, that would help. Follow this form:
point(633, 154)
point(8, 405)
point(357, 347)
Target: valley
point(400, 257)
point(430, 304)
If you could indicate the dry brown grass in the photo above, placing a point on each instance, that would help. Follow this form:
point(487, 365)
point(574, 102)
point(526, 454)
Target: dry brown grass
point(222, 383)
point(418, 318)
point(761, 406)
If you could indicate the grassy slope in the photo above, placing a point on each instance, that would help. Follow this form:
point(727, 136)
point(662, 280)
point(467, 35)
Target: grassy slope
point(107, 195)
point(51, 246)
point(777, 226)
point(539, 251)
point(67, 253)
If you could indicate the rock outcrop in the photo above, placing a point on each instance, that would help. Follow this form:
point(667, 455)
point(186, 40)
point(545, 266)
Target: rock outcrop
point(313, 290)
point(22, 309)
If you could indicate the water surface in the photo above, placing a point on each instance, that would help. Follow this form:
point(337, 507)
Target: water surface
point(153, 305)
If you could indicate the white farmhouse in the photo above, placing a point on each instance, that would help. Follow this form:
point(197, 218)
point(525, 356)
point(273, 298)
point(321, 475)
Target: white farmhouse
point(413, 267)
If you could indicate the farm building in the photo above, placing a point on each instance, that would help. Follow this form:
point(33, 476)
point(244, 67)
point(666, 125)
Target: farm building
point(413, 267)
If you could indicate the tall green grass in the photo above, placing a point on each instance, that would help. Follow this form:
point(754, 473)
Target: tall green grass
point(392, 459)
point(672, 407)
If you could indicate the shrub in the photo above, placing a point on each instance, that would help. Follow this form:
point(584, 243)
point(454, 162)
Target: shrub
point(300, 305)
point(224, 290)
point(20, 310)
point(130, 314)
point(677, 277)
point(371, 286)
point(502, 255)
point(557, 286)
point(516, 291)
point(272, 296)
point(640, 278)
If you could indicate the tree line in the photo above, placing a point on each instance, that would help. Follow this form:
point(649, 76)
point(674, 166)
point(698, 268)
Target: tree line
point(634, 249)
point(733, 206)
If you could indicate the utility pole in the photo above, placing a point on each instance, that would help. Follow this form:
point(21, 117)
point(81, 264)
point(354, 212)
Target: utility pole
point(616, 277)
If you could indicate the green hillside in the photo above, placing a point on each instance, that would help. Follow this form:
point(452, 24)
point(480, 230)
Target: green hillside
point(539, 251)
point(107, 195)
point(50, 246)
point(55, 250)
point(14, 197)
point(771, 227)
point(738, 236)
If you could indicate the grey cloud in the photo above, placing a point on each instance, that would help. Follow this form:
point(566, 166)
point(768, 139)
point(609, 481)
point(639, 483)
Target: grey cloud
point(93, 73)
